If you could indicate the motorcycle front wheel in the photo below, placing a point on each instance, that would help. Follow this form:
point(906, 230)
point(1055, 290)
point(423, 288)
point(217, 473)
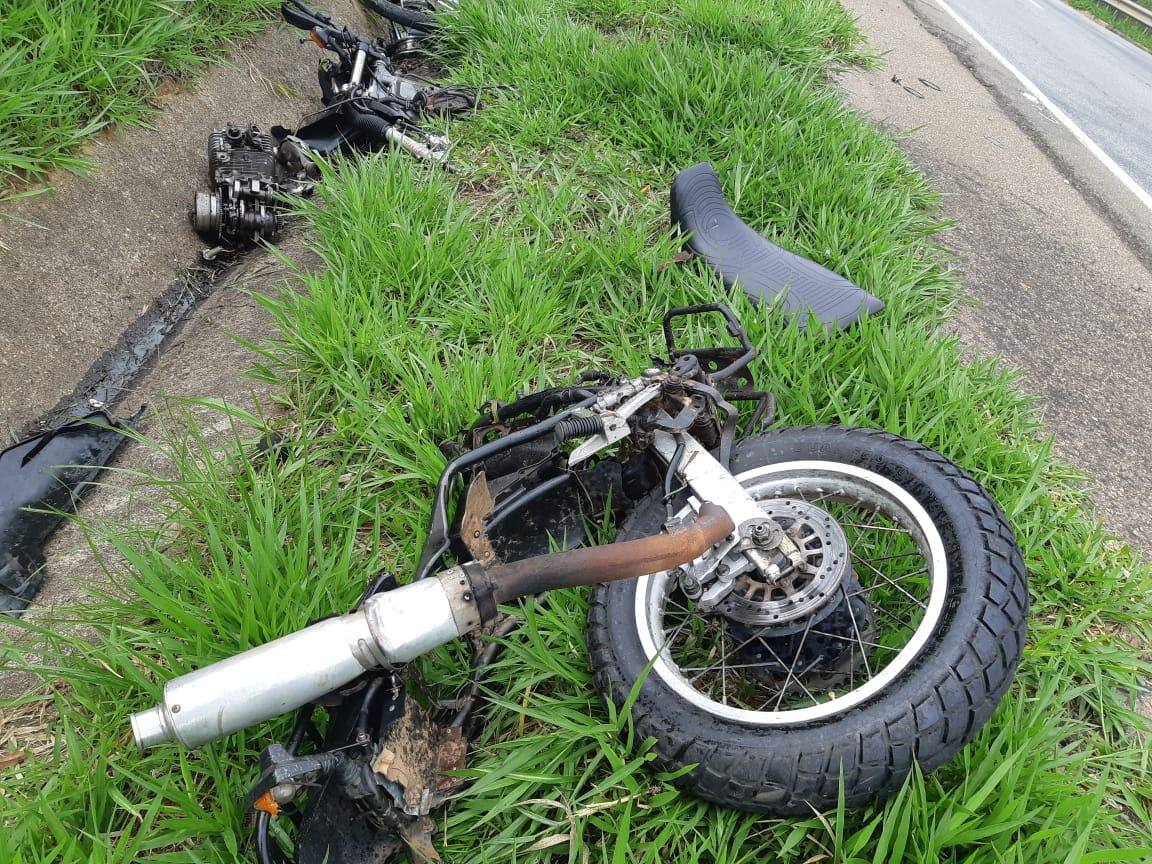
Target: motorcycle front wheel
point(889, 644)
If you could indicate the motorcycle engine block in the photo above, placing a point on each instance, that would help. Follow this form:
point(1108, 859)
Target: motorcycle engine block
point(242, 206)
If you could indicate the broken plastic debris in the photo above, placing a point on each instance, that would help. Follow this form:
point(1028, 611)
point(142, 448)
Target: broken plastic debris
point(41, 480)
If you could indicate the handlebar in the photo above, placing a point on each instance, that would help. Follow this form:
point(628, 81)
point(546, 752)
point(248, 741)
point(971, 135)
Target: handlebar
point(303, 18)
point(340, 40)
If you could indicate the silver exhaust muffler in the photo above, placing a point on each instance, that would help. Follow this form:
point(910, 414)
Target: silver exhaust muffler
point(394, 627)
point(389, 629)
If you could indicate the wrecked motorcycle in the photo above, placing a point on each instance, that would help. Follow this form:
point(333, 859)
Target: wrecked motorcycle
point(790, 616)
point(368, 103)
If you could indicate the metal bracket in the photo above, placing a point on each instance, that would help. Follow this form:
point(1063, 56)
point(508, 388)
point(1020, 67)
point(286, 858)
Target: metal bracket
point(710, 481)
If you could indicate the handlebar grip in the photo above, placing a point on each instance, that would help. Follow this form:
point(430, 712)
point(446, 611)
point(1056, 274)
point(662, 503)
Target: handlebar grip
point(299, 18)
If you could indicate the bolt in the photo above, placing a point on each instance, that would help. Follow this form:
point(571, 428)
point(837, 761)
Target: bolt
point(175, 709)
point(282, 793)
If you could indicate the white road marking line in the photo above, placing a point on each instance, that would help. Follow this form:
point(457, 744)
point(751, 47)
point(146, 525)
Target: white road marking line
point(1068, 123)
point(1034, 3)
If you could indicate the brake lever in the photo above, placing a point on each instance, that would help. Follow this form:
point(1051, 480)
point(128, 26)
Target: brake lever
point(319, 16)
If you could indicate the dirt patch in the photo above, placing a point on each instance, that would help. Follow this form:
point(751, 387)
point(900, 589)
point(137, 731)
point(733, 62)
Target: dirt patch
point(22, 731)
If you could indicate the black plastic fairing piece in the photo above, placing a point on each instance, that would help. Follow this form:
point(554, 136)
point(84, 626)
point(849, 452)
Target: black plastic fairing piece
point(47, 472)
point(762, 269)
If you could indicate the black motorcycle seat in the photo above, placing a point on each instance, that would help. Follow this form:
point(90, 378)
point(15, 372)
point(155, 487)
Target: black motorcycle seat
point(762, 269)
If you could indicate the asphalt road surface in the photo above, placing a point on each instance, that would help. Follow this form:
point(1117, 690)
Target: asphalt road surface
point(1053, 249)
point(1099, 79)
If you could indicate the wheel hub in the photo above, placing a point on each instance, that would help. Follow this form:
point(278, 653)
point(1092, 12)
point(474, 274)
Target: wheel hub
point(812, 563)
point(820, 652)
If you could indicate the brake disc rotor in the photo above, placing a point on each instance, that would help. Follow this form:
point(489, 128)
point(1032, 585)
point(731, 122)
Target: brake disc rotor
point(809, 579)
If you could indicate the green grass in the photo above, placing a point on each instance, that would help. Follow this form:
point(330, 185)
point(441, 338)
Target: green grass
point(1132, 30)
point(70, 68)
point(547, 254)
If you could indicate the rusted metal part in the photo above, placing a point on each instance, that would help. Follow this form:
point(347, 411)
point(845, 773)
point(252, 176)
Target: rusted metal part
point(473, 531)
point(417, 836)
point(610, 563)
point(451, 755)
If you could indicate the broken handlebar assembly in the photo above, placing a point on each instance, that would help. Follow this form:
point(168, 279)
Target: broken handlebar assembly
point(395, 627)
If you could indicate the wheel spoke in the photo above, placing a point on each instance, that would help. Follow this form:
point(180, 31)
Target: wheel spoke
point(887, 614)
point(913, 554)
point(784, 692)
point(671, 640)
point(862, 642)
point(923, 571)
point(896, 585)
point(723, 667)
point(776, 657)
point(856, 630)
point(873, 527)
point(743, 644)
point(792, 668)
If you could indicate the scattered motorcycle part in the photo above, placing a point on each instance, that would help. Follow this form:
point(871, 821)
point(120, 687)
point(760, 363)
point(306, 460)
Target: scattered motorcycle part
point(383, 753)
point(368, 105)
point(932, 617)
point(764, 271)
point(249, 186)
point(368, 102)
point(41, 479)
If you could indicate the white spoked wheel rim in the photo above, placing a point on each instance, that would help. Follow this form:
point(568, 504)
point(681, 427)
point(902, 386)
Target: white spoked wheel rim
point(834, 481)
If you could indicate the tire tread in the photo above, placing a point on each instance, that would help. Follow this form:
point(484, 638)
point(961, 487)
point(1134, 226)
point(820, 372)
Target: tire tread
point(962, 696)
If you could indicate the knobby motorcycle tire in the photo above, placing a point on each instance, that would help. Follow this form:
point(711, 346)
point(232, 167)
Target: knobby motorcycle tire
point(412, 19)
point(924, 716)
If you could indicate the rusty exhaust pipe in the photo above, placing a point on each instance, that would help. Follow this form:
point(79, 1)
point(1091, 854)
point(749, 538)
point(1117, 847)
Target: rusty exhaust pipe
point(611, 563)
